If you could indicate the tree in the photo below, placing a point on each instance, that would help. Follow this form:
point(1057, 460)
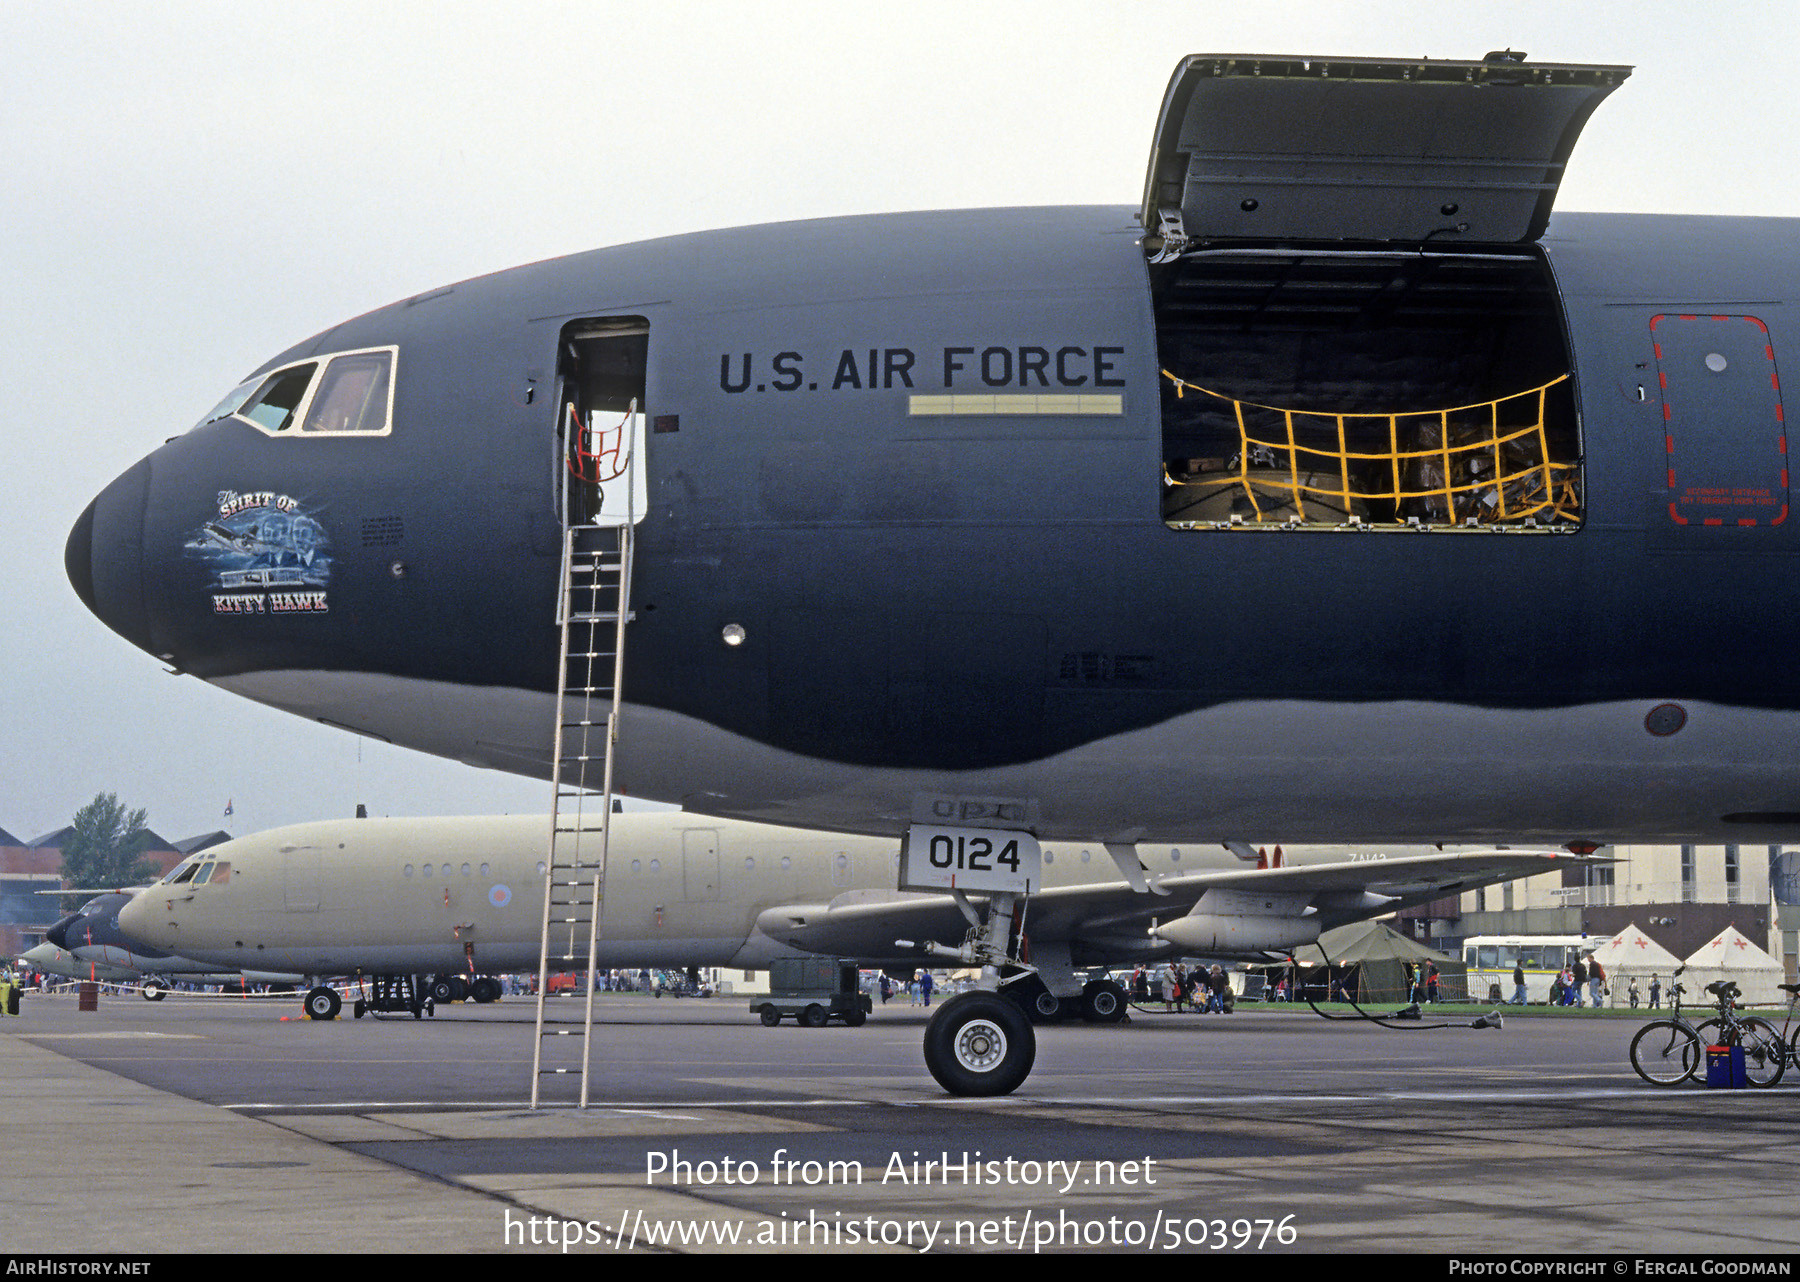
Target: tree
point(104, 847)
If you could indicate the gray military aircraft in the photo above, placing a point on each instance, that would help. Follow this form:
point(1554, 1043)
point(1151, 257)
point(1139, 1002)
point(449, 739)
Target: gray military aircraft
point(1337, 492)
point(444, 896)
point(52, 960)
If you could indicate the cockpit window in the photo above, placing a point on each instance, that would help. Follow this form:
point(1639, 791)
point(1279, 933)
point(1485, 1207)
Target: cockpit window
point(234, 400)
point(273, 406)
point(347, 393)
point(353, 395)
point(183, 873)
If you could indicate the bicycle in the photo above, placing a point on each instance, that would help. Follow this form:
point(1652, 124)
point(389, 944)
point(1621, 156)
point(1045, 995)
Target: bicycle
point(1765, 1053)
point(1667, 1052)
point(1790, 1031)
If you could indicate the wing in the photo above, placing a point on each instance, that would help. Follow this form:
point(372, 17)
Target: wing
point(1109, 921)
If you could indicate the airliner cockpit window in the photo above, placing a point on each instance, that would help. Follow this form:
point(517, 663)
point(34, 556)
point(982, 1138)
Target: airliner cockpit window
point(273, 406)
point(232, 402)
point(344, 394)
point(182, 873)
point(353, 394)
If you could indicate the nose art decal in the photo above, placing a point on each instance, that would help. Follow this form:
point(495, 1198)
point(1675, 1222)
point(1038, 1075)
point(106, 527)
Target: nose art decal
point(267, 555)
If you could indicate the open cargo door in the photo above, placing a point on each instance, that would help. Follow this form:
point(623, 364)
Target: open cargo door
point(1386, 150)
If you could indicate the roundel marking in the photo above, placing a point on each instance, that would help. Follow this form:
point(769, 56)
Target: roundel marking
point(499, 896)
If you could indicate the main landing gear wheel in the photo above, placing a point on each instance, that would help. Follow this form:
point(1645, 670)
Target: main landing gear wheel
point(485, 989)
point(153, 990)
point(1103, 1002)
point(1040, 1005)
point(979, 1044)
point(1045, 1007)
point(323, 1003)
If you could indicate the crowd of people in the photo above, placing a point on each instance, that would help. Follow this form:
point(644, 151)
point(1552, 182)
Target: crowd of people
point(1178, 988)
point(1581, 983)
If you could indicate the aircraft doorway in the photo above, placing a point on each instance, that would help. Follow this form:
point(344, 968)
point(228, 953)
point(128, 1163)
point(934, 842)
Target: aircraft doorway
point(1355, 325)
point(600, 420)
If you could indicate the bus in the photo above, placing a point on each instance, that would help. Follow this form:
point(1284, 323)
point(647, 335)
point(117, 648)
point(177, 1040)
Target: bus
point(1491, 959)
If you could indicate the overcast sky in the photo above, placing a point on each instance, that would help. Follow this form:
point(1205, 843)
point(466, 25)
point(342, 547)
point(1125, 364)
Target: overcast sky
point(189, 188)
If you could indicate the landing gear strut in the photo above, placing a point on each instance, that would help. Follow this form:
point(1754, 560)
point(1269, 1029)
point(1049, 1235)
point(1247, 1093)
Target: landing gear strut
point(981, 1043)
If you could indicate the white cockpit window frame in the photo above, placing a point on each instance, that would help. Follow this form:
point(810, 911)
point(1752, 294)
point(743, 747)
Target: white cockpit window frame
point(324, 361)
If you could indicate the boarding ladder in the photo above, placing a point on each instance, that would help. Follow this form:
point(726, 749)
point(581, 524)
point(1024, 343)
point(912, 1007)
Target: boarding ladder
point(593, 607)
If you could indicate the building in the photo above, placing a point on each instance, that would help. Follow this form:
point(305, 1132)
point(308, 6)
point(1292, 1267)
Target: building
point(28, 867)
point(1680, 896)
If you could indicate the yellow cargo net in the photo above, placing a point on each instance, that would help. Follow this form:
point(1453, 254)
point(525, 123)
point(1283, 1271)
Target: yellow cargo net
point(1489, 463)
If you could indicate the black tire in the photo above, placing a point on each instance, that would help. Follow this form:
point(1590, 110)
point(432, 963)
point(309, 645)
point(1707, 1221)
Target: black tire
point(770, 1016)
point(485, 989)
point(153, 990)
point(1103, 1002)
point(1032, 996)
point(979, 1044)
point(323, 1003)
point(814, 1016)
point(444, 989)
point(1665, 1053)
point(360, 1009)
point(856, 1018)
point(1765, 1055)
point(1765, 1058)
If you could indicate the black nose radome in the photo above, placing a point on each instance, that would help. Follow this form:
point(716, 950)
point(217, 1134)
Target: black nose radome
point(105, 555)
point(59, 933)
point(78, 559)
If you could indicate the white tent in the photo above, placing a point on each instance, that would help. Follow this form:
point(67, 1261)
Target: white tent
point(1631, 954)
point(1730, 955)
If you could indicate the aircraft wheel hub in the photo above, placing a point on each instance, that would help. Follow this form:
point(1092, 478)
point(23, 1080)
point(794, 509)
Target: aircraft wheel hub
point(980, 1045)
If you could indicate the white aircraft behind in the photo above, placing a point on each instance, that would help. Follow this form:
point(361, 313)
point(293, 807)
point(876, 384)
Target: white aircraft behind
point(52, 960)
point(465, 896)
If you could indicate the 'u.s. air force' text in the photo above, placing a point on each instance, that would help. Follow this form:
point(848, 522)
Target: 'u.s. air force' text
point(885, 368)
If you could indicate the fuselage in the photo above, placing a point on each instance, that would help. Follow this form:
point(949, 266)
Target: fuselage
point(953, 606)
point(450, 895)
point(52, 960)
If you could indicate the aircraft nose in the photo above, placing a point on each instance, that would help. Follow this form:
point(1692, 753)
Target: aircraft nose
point(59, 933)
point(137, 923)
point(105, 555)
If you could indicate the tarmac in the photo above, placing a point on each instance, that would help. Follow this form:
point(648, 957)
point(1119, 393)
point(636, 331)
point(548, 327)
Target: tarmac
point(209, 1126)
